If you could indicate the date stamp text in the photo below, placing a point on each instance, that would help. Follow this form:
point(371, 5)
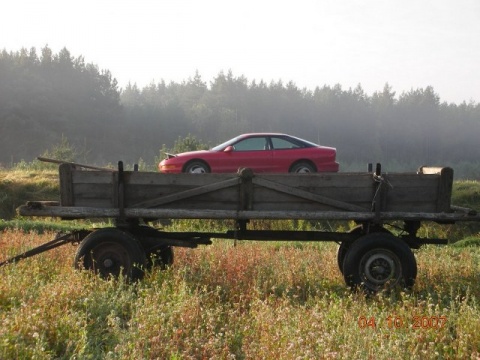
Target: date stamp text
point(398, 322)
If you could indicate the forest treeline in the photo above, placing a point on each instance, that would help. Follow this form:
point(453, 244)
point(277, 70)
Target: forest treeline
point(47, 97)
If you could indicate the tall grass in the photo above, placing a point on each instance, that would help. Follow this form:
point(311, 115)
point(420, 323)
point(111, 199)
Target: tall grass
point(249, 301)
point(18, 186)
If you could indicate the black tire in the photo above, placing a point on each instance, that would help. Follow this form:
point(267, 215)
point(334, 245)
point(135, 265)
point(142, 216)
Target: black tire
point(303, 167)
point(379, 261)
point(162, 257)
point(345, 245)
point(341, 253)
point(196, 167)
point(110, 252)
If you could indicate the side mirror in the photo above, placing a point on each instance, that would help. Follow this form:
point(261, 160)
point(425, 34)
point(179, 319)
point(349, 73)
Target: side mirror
point(228, 149)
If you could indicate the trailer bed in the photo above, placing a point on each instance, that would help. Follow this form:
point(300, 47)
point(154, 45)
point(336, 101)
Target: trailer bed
point(370, 256)
point(423, 195)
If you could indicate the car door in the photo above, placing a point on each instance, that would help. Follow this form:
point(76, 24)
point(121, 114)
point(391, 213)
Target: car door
point(285, 151)
point(252, 152)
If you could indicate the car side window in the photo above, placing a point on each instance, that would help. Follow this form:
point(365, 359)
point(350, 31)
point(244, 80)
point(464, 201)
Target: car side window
point(251, 144)
point(282, 144)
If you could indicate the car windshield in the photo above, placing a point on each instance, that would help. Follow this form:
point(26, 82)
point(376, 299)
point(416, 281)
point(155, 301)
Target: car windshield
point(225, 144)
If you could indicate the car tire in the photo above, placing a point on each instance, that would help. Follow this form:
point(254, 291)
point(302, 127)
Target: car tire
point(196, 167)
point(303, 167)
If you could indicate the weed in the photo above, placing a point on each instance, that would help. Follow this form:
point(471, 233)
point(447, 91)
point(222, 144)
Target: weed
point(253, 300)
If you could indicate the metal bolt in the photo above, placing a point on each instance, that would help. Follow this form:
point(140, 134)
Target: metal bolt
point(107, 263)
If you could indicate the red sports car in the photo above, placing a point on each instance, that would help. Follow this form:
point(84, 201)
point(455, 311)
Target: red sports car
point(261, 152)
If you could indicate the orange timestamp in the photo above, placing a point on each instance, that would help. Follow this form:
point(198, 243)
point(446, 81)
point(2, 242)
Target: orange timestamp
point(398, 322)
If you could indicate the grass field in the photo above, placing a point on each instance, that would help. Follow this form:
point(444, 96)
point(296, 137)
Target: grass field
point(250, 301)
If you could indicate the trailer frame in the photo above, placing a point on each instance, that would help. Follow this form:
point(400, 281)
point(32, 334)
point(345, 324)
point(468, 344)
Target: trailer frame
point(370, 256)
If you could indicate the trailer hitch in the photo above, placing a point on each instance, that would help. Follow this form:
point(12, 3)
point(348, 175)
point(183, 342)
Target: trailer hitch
point(71, 237)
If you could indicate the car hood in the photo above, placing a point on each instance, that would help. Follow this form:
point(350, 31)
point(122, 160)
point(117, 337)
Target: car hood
point(188, 153)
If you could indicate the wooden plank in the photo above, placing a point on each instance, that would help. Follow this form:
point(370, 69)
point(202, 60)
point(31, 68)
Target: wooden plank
point(92, 191)
point(401, 197)
point(402, 193)
point(445, 186)
point(410, 191)
point(82, 212)
point(94, 203)
point(113, 192)
point(94, 195)
point(76, 212)
point(159, 179)
point(306, 195)
point(412, 180)
point(138, 193)
point(319, 180)
point(246, 191)
point(92, 177)
point(66, 189)
point(187, 193)
point(266, 192)
point(135, 195)
point(360, 197)
point(72, 164)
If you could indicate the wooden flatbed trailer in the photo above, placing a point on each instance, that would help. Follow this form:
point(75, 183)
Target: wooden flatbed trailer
point(369, 256)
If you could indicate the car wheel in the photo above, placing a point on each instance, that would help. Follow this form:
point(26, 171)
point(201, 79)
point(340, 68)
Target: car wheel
point(196, 167)
point(302, 168)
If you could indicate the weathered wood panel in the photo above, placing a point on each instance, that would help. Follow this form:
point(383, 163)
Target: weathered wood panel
point(428, 191)
point(92, 177)
point(87, 212)
point(66, 185)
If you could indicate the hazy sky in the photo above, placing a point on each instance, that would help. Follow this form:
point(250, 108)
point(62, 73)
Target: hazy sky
point(407, 43)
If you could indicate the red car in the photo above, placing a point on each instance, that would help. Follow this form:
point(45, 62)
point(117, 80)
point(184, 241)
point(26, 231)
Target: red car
point(261, 152)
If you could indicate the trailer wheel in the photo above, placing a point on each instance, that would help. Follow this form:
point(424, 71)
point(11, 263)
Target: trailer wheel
point(379, 261)
point(345, 245)
point(341, 253)
point(111, 252)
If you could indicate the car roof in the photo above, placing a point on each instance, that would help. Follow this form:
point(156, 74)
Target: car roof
point(264, 134)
